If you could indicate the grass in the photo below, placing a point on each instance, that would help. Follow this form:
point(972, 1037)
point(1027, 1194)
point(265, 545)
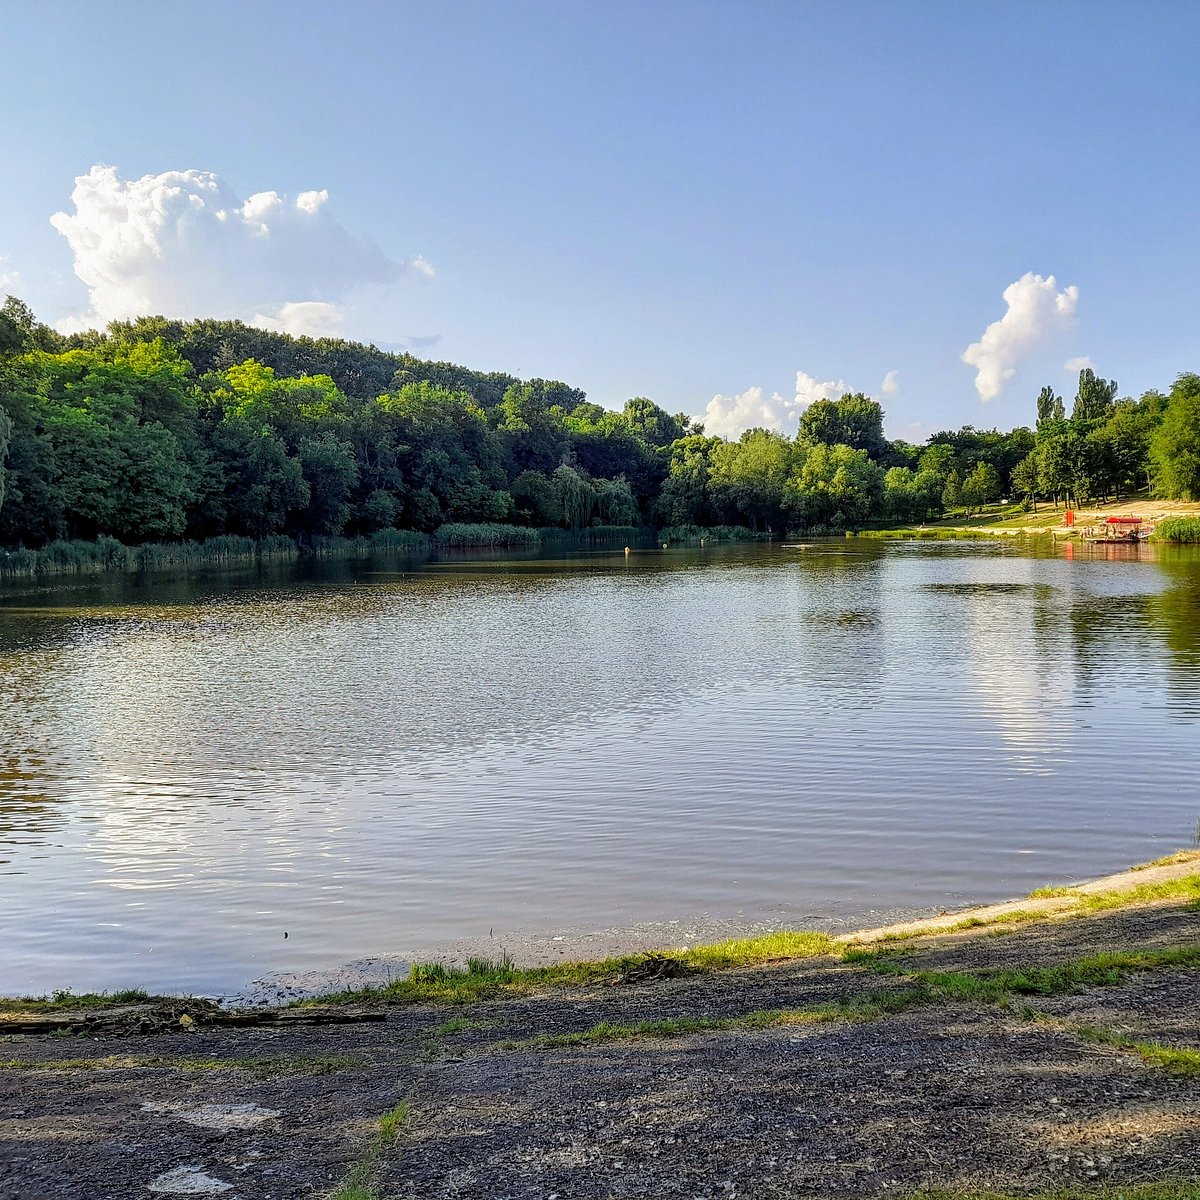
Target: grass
point(1003, 984)
point(922, 989)
point(67, 1000)
point(265, 1067)
point(1174, 1059)
point(1170, 860)
point(1186, 888)
point(486, 978)
point(1168, 1189)
point(361, 1182)
point(463, 536)
point(1178, 529)
point(868, 1007)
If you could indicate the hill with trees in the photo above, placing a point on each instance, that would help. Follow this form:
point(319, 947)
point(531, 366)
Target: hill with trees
point(156, 430)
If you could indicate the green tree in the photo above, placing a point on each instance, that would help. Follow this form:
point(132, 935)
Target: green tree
point(747, 478)
point(1094, 397)
point(837, 487)
point(1175, 445)
point(855, 421)
point(1025, 478)
point(1049, 407)
point(952, 490)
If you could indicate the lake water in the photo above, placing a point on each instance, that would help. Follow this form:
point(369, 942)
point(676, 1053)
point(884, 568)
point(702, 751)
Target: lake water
point(379, 761)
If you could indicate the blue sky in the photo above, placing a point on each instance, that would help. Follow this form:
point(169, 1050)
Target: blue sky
point(679, 200)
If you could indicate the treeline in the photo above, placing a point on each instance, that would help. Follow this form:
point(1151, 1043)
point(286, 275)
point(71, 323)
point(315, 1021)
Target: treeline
point(162, 431)
point(1109, 447)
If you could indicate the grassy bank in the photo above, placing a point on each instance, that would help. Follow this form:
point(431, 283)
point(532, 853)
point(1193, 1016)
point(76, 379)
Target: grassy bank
point(107, 555)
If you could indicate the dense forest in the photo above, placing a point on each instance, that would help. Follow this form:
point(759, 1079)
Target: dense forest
point(159, 430)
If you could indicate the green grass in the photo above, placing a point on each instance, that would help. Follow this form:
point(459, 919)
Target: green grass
point(1002, 984)
point(264, 1067)
point(1174, 1059)
point(868, 1007)
point(482, 979)
point(1178, 529)
point(1187, 888)
point(1169, 860)
point(361, 1182)
point(1047, 893)
point(67, 1000)
point(1169, 1189)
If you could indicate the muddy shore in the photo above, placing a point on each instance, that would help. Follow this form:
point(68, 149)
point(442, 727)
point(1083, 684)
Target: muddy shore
point(1016, 1092)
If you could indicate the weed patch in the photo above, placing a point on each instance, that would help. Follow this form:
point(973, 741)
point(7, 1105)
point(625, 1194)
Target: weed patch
point(362, 1179)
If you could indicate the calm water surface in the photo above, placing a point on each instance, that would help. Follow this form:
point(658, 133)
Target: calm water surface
point(375, 759)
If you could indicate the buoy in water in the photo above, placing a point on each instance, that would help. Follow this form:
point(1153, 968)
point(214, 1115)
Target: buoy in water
point(664, 545)
point(627, 551)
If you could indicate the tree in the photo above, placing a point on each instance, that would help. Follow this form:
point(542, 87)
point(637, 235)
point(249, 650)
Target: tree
point(1094, 397)
point(980, 487)
point(1175, 446)
point(1049, 407)
point(1025, 478)
point(855, 421)
point(747, 478)
point(653, 424)
point(684, 496)
point(952, 490)
point(837, 487)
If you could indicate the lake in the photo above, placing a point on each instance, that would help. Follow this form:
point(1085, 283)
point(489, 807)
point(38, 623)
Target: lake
point(381, 760)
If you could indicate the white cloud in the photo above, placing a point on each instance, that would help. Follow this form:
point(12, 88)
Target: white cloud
point(1036, 309)
point(1075, 365)
point(891, 383)
point(730, 416)
point(10, 280)
point(182, 244)
point(304, 318)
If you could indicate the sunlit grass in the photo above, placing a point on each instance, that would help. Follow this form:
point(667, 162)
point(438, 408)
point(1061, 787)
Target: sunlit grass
point(1000, 984)
point(1172, 1189)
point(1174, 1059)
point(484, 978)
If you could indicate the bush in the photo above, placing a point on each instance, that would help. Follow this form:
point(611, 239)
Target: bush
point(463, 536)
point(1178, 529)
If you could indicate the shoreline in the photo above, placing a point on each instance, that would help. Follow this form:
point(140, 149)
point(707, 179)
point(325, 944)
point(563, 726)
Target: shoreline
point(1045, 1047)
point(374, 978)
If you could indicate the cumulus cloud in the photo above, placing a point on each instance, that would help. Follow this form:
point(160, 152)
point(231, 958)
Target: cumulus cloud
point(304, 318)
point(10, 278)
point(1035, 310)
point(891, 383)
point(730, 416)
point(1075, 365)
point(182, 244)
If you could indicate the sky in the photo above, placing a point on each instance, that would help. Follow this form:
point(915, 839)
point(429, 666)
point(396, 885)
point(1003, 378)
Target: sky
point(732, 208)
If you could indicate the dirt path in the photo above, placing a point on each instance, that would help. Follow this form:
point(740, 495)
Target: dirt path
point(949, 1094)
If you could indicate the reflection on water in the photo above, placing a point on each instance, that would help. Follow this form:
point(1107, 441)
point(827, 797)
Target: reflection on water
point(373, 759)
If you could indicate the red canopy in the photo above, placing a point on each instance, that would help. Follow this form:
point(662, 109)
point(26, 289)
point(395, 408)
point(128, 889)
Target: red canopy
point(1123, 520)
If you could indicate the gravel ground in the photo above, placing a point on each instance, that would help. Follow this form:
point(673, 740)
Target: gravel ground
point(957, 1096)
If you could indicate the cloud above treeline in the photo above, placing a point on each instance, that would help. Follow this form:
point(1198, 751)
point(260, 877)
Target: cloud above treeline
point(183, 244)
point(1035, 311)
point(731, 416)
